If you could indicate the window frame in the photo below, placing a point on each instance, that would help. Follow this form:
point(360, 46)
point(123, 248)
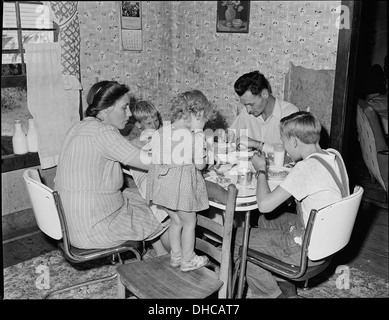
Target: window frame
point(21, 80)
point(13, 162)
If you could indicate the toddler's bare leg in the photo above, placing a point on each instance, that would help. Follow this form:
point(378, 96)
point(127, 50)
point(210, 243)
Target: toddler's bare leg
point(188, 221)
point(175, 230)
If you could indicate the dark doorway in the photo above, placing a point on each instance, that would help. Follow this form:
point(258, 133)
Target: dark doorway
point(371, 51)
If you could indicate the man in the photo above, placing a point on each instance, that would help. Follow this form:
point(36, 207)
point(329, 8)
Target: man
point(262, 114)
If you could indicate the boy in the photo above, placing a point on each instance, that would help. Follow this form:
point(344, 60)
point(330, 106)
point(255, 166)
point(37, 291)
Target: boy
point(312, 187)
point(146, 122)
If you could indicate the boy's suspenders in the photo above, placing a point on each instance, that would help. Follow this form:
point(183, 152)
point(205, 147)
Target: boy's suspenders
point(343, 189)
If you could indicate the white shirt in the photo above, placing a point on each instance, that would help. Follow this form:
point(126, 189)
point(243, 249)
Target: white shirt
point(267, 130)
point(311, 183)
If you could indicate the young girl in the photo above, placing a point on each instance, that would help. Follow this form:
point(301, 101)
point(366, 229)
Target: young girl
point(175, 180)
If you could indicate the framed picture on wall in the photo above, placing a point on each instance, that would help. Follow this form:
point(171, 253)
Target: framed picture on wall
point(131, 25)
point(233, 16)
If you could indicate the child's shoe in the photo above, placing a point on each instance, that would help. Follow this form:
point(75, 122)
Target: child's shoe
point(175, 261)
point(195, 263)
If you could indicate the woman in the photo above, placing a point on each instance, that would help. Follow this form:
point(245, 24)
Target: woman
point(89, 176)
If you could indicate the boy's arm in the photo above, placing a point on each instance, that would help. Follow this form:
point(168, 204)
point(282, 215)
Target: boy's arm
point(267, 200)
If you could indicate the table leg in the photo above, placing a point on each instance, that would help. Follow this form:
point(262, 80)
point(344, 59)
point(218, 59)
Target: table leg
point(245, 243)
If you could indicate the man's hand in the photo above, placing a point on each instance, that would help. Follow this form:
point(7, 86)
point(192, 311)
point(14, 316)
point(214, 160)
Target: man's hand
point(244, 143)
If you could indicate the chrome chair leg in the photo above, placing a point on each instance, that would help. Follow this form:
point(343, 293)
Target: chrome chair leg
point(85, 283)
point(89, 282)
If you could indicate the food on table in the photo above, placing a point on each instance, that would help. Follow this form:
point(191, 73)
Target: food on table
point(220, 180)
point(223, 181)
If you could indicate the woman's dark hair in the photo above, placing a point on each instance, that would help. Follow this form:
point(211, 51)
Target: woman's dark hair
point(253, 81)
point(103, 95)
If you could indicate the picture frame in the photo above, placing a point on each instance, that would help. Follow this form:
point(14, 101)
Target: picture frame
point(130, 25)
point(233, 16)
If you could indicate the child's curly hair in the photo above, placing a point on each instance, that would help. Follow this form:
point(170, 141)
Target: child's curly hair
point(193, 101)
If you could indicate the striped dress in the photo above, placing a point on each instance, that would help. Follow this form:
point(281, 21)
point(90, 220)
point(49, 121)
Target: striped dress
point(89, 179)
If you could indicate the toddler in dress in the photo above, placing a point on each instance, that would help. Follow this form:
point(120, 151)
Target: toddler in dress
point(175, 180)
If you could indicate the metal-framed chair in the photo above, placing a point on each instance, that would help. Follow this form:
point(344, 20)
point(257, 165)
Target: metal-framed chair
point(328, 231)
point(50, 218)
point(155, 279)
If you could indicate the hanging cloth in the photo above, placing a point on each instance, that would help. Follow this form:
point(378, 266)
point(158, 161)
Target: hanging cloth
point(47, 100)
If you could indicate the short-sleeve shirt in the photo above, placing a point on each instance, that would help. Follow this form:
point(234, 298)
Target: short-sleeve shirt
point(310, 183)
point(267, 130)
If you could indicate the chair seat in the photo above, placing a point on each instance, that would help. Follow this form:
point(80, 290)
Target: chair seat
point(156, 279)
point(81, 255)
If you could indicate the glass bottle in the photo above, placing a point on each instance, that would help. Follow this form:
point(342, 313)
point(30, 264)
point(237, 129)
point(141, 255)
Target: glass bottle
point(32, 136)
point(19, 139)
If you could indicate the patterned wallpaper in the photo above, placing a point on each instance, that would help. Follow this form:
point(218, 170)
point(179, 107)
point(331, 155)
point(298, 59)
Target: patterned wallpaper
point(182, 50)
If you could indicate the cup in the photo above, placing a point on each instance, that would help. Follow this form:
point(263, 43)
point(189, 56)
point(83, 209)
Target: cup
point(279, 155)
point(245, 176)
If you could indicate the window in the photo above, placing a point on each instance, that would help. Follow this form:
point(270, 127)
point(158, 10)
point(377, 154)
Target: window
point(23, 22)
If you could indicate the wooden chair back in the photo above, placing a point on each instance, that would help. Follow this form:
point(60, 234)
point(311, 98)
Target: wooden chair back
point(224, 233)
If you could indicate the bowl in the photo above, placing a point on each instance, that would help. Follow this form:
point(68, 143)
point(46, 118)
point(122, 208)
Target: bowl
point(237, 23)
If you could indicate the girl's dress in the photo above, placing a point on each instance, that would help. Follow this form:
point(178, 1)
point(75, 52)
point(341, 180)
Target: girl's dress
point(173, 180)
point(89, 179)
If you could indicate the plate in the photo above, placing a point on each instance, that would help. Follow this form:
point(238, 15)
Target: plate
point(277, 173)
point(223, 168)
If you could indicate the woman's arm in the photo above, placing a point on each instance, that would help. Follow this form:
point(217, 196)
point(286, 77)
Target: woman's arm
point(117, 148)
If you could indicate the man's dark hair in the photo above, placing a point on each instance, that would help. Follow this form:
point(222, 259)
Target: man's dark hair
point(253, 81)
